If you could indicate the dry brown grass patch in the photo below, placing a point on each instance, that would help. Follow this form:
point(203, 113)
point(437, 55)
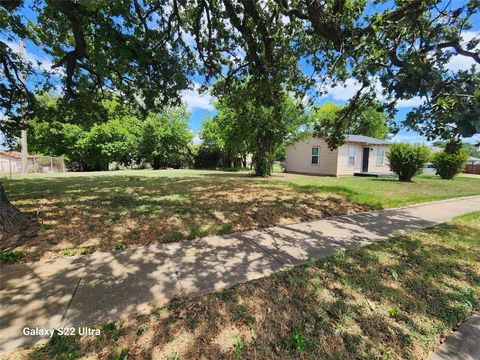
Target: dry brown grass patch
point(97, 216)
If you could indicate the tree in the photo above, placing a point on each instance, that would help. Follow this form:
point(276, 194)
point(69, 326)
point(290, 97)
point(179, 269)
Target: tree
point(116, 133)
point(403, 52)
point(134, 48)
point(211, 152)
point(397, 52)
point(112, 141)
point(165, 138)
point(259, 126)
point(452, 110)
point(471, 149)
point(138, 50)
point(235, 138)
point(107, 135)
point(117, 45)
point(99, 45)
point(10, 217)
point(370, 122)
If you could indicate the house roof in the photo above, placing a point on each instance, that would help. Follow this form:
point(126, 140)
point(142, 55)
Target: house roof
point(473, 158)
point(365, 140)
point(13, 154)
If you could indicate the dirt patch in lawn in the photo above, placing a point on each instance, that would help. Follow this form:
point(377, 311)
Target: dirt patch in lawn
point(101, 214)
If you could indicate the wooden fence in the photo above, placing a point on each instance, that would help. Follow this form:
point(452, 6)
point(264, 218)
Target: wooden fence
point(472, 169)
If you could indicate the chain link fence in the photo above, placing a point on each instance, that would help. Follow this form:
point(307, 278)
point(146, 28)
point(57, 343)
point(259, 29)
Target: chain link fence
point(11, 163)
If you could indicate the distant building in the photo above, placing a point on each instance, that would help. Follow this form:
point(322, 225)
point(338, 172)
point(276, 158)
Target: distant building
point(14, 159)
point(472, 160)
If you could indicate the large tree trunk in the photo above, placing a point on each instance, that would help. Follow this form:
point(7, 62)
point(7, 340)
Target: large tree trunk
point(156, 163)
point(10, 217)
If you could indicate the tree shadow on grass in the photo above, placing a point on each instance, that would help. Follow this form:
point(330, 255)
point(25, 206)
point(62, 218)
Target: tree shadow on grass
point(339, 307)
point(97, 213)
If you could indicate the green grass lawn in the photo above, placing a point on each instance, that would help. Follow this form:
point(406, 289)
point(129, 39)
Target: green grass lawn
point(389, 192)
point(394, 299)
point(85, 212)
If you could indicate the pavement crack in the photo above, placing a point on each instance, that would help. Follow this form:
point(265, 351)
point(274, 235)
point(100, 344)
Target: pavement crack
point(264, 250)
point(75, 290)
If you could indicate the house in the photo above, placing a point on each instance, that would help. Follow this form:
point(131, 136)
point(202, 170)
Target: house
point(359, 154)
point(12, 160)
point(472, 160)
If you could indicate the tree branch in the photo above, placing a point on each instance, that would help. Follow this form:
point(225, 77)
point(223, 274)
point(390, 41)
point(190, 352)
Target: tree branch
point(71, 11)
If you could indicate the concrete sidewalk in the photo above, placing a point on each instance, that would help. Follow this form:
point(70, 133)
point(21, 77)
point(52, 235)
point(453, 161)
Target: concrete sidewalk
point(101, 287)
point(463, 344)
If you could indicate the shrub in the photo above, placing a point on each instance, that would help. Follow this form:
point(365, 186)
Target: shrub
point(208, 158)
point(448, 165)
point(407, 160)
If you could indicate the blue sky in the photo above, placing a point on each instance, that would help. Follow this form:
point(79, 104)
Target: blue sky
point(201, 105)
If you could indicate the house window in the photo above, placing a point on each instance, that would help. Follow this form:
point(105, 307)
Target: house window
point(380, 156)
point(351, 155)
point(315, 153)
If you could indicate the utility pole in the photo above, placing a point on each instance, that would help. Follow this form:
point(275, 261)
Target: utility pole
point(23, 140)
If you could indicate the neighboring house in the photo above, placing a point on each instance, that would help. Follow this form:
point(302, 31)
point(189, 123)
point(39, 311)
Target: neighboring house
point(472, 160)
point(428, 168)
point(13, 159)
point(359, 154)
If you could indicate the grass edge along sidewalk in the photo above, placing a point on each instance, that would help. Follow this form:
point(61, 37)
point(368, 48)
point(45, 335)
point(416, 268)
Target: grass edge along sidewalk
point(84, 213)
point(394, 299)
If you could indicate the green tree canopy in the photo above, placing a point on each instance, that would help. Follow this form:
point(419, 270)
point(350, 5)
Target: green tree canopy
point(400, 49)
point(471, 149)
point(165, 138)
point(259, 125)
point(371, 122)
point(121, 136)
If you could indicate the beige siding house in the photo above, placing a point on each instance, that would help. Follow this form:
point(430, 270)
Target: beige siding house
point(359, 154)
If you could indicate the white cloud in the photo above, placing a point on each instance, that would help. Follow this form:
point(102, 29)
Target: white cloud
point(349, 88)
point(188, 39)
point(460, 62)
point(342, 92)
point(37, 61)
point(196, 139)
point(475, 139)
point(195, 100)
point(414, 138)
point(415, 101)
